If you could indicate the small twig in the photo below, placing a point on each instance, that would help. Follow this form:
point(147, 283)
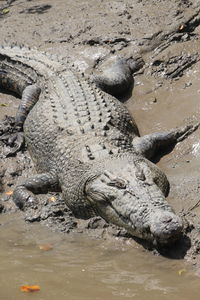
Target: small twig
point(195, 206)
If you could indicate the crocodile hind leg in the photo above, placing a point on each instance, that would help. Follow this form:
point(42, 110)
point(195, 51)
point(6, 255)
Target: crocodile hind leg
point(15, 140)
point(116, 77)
point(42, 183)
point(149, 145)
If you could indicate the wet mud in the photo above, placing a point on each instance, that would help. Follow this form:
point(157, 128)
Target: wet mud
point(164, 38)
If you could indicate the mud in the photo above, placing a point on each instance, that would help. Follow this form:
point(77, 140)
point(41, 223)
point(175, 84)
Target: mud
point(163, 34)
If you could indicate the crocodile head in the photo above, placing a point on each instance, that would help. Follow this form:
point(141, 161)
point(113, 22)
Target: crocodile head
point(132, 195)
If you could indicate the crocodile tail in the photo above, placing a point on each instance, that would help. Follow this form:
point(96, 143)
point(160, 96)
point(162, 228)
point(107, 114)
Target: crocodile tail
point(21, 66)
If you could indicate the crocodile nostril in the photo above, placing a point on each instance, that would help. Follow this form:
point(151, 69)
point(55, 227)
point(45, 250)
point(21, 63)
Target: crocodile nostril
point(165, 227)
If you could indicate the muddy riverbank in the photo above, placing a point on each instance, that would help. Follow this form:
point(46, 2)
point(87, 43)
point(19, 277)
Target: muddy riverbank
point(166, 93)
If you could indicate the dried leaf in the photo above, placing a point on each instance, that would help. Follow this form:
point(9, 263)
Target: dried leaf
point(5, 11)
point(52, 199)
point(30, 288)
point(9, 193)
point(45, 247)
point(180, 272)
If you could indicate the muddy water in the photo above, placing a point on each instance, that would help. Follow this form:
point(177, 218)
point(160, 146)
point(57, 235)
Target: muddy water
point(81, 268)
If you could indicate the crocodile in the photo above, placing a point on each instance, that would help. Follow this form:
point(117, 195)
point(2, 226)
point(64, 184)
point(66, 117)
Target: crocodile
point(85, 144)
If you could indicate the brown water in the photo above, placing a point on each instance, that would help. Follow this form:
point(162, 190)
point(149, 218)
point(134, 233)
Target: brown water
point(78, 267)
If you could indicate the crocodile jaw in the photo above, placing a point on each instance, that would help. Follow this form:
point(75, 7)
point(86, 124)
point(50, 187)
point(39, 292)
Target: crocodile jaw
point(143, 212)
point(160, 227)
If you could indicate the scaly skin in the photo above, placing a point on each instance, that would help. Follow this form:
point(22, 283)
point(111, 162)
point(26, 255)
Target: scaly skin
point(85, 143)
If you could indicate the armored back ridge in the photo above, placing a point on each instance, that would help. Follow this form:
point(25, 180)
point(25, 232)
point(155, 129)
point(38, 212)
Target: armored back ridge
point(84, 143)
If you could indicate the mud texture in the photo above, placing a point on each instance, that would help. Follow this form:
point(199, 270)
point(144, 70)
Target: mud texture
point(164, 37)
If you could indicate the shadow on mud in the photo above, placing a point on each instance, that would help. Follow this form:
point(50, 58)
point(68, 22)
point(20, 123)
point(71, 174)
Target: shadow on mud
point(126, 96)
point(37, 9)
point(162, 152)
point(9, 92)
point(177, 250)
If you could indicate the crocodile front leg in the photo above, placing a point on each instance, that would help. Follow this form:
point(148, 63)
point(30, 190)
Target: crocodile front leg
point(15, 140)
point(42, 183)
point(30, 96)
point(150, 144)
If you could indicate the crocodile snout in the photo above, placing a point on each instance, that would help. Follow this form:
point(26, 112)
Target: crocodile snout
point(166, 227)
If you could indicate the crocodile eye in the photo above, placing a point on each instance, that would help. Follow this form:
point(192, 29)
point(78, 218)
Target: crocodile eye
point(118, 182)
point(140, 174)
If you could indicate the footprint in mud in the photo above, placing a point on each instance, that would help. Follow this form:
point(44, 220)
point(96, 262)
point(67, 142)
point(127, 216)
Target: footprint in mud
point(36, 9)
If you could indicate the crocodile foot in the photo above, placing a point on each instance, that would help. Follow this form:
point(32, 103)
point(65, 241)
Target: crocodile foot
point(24, 198)
point(7, 125)
point(115, 75)
point(185, 131)
point(11, 136)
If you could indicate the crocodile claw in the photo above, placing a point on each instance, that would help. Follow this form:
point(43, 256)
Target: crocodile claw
point(184, 132)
